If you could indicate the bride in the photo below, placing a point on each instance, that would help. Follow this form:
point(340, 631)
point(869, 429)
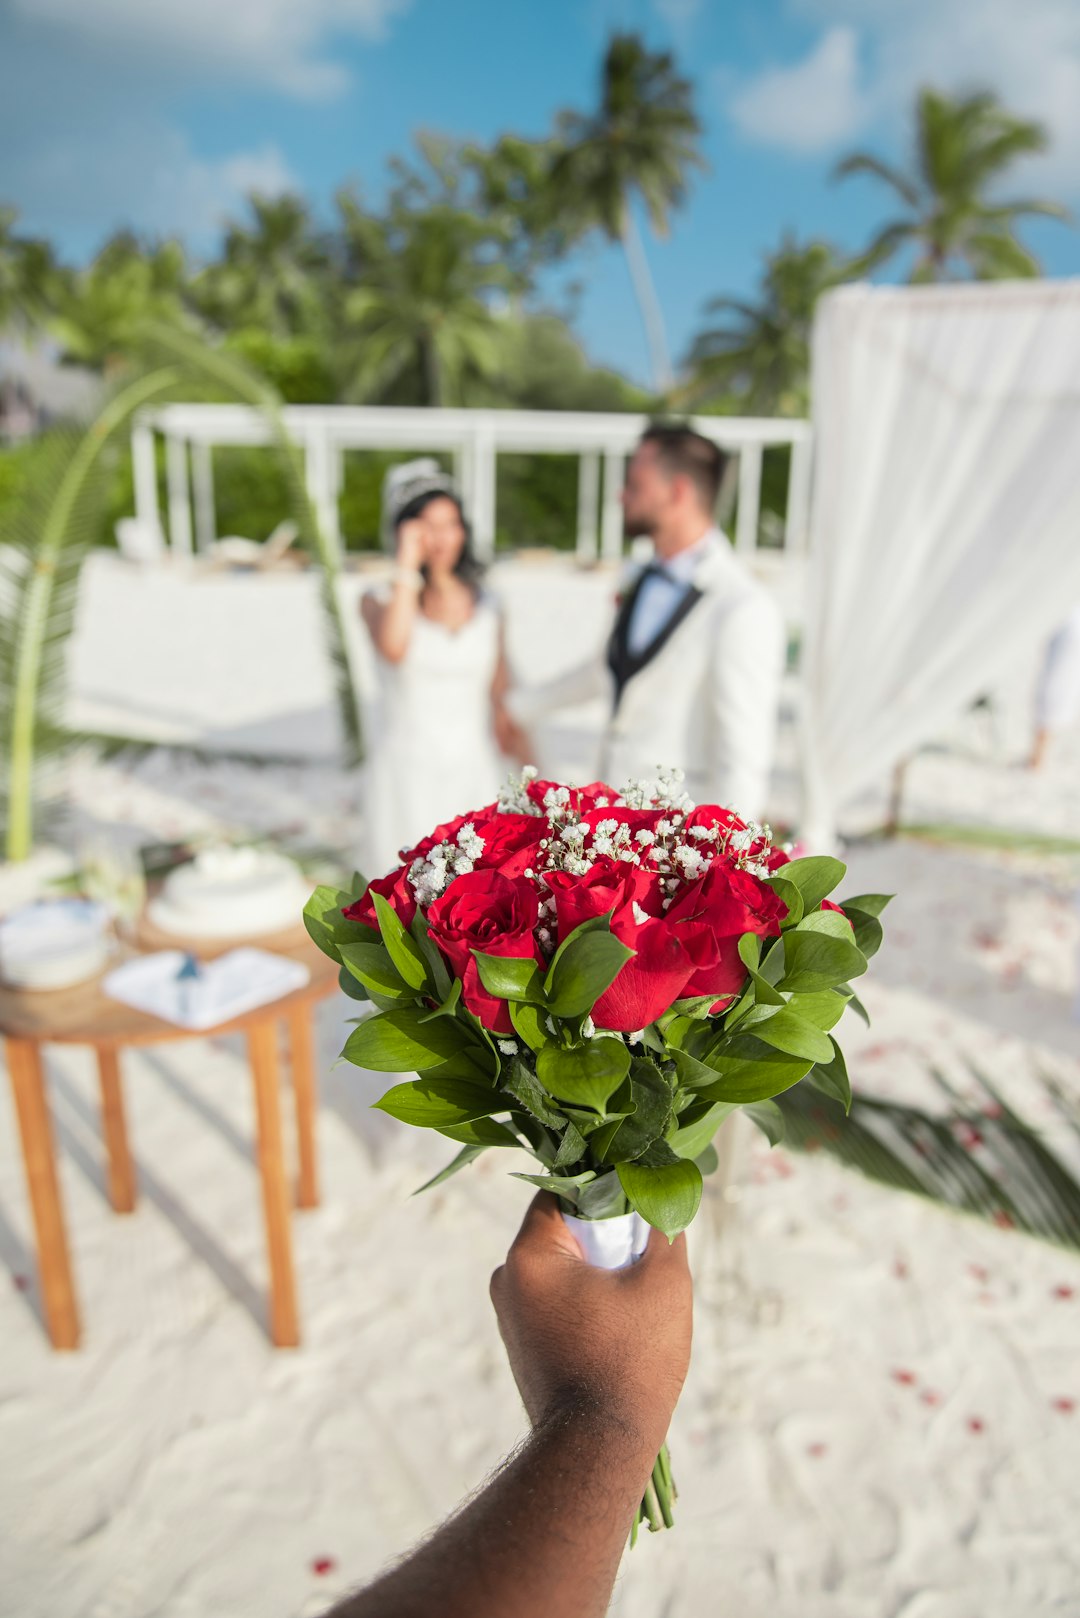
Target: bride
point(442, 735)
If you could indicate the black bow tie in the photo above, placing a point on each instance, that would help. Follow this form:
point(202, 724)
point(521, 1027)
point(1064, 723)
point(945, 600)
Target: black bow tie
point(657, 570)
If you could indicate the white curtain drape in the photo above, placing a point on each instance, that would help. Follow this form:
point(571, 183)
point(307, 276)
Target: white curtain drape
point(945, 527)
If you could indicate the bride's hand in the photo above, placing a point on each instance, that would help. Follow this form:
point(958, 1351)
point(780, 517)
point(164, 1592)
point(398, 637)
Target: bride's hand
point(411, 546)
point(512, 738)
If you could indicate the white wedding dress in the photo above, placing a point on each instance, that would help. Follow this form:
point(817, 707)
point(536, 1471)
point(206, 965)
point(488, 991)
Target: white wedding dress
point(432, 752)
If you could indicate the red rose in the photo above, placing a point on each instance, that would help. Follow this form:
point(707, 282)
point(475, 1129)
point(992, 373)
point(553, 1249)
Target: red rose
point(511, 842)
point(727, 903)
point(580, 798)
point(495, 914)
point(657, 972)
point(395, 889)
point(607, 885)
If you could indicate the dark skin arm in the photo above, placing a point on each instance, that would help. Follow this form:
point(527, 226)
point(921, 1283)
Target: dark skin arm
point(599, 1358)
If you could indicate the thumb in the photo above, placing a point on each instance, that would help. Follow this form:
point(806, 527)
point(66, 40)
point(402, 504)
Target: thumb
point(544, 1230)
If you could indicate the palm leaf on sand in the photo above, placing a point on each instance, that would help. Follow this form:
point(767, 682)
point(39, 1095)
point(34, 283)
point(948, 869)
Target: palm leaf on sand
point(984, 1160)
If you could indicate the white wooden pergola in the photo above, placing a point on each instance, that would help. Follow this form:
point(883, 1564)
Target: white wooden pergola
point(474, 438)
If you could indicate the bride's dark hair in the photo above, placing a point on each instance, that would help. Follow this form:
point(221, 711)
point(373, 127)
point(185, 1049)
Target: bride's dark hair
point(467, 567)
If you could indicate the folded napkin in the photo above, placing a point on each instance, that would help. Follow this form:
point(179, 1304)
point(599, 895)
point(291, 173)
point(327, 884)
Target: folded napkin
point(169, 985)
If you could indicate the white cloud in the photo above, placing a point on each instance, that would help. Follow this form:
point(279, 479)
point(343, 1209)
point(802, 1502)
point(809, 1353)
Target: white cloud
point(286, 45)
point(809, 106)
point(872, 56)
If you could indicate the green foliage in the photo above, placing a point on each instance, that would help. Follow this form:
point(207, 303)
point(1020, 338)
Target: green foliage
point(954, 218)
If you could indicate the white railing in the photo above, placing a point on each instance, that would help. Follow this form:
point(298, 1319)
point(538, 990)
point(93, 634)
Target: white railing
point(475, 438)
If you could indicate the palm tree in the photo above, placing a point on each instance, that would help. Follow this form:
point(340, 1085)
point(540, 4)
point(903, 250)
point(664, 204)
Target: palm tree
point(963, 147)
point(417, 304)
point(640, 142)
point(761, 353)
point(99, 309)
point(270, 276)
point(28, 274)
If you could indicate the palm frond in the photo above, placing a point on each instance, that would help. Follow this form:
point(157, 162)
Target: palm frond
point(47, 533)
point(245, 384)
point(983, 1161)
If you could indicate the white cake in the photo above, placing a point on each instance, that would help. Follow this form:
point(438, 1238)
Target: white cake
point(230, 893)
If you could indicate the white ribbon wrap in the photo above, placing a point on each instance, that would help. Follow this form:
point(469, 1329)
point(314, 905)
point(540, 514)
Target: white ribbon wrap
point(610, 1244)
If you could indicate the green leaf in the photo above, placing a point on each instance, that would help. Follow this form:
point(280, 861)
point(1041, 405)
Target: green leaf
point(400, 1041)
point(510, 977)
point(785, 1030)
point(437, 968)
point(708, 1161)
point(439, 1103)
point(854, 1002)
point(595, 924)
point(587, 1074)
point(696, 1006)
point(328, 928)
point(480, 1132)
point(750, 955)
point(820, 953)
point(831, 1078)
point(651, 1096)
point(690, 1140)
point(666, 1196)
point(399, 945)
point(692, 1074)
point(572, 1147)
point(871, 904)
point(349, 985)
point(749, 1070)
point(562, 1185)
point(824, 1009)
point(769, 1119)
point(525, 1087)
point(370, 964)
point(467, 1155)
point(530, 1024)
point(602, 1198)
point(580, 974)
point(449, 1006)
point(868, 931)
point(789, 893)
point(815, 878)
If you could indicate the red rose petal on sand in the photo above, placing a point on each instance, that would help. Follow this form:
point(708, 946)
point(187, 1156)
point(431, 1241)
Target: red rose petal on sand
point(1003, 1220)
point(1063, 1292)
point(905, 1378)
point(930, 1397)
point(1064, 1407)
point(816, 1450)
point(980, 1272)
point(900, 1269)
point(321, 1565)
point(976, 1424)
point(21, 1283)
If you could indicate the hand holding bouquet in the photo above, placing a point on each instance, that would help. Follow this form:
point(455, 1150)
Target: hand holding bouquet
point(600, 977)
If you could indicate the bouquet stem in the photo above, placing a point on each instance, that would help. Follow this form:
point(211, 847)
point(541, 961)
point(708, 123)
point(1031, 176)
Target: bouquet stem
point(660, 1495)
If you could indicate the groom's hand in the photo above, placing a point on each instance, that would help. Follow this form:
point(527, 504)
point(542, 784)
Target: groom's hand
point(615, 1342)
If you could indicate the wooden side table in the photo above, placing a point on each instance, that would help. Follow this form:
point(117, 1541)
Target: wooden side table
point(84, 1016)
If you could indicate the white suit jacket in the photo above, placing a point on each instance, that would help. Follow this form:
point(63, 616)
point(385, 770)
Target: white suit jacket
point(704, 697)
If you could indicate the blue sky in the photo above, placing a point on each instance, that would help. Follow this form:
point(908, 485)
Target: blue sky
point(161, 114)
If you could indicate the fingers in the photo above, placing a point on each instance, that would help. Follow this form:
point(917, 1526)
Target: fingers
point(543, 1230)
point(662, 1255)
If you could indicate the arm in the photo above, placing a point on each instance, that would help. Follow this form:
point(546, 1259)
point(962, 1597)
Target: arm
point(512, 738)
point(581, 684)
point(599, 1357)
point(747, 670)
point(390, 623)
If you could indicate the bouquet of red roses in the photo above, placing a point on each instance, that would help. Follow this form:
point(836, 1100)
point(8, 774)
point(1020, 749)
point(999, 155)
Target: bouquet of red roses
point(600, 977)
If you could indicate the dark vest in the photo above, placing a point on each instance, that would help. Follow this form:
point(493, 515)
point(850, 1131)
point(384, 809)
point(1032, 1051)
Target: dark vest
point(621, 662)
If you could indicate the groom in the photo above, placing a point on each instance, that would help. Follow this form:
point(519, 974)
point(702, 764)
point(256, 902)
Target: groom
point(693, 665)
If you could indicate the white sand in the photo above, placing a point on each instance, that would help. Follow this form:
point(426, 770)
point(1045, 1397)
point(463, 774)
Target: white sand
point(883, 1413)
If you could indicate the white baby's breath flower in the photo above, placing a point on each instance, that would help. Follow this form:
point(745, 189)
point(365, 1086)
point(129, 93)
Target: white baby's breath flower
point(640, 916)
point(588, 1028)
point(636, 1037)
point(644, 836)
point(509, 1047)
